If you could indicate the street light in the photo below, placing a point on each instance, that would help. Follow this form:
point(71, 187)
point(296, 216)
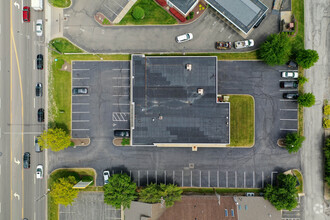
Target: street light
point(48, 190)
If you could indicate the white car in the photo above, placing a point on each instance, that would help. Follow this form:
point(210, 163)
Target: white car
point(244, 44)
point(184, 37)
point(106, 175)
point(39, 27)
point(40, 172)
point(293, 75)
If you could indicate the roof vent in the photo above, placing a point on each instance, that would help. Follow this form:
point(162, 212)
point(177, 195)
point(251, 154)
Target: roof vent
point(189, 66)
point(200, 91)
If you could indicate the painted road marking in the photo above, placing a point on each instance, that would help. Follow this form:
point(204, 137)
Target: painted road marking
point(80, 120)
point(254, 181)
point(235, 179)
point(121, 104)
point(227, 179)
point(200, 178)
point(147, 177)
point(78, 78)
point(190, 178)
point(182, 177)
point(217, 178)
point(80, 103)
point(209, 178)
point(262, 179)
point(80, 69)
point(284, 129)
point(244, 181)
point(288, 109)
point(80, 112)
point(165, 176)
point(80, 129)
point(288, 119)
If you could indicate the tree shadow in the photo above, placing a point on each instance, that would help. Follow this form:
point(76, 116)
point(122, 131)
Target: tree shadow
point(62, 126)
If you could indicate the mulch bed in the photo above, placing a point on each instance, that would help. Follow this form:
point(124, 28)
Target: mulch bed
point(99, 17)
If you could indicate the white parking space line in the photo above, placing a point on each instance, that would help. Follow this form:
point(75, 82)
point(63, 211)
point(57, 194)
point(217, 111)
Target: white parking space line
point(34, 66)
point(0, 169)
point(227, 179)
point(80, 95)
point(118, 4)
point(254, 179)
point(190, 178)
point(33, 26)
point(80, 129)
point(120, 95)
point(120, 104)
point(235, 179)
point(0, 133)
point(80, 103)
point(173, 176)
point(289, 109)
point(288, 90)
point(0, 103)
point(80, 69)
point(262, 179)
point(121, 86)
point(287, 100)
point(165, 176)
point(110, 10)
point(200, 178)
point(80, 112)
point(229, 36)
point(244, 181)
point(138, 177)
point(121, 69)
point(288, 129)
point(181, 177)
point(78, 78)
point(288, 119)
point(80, 120)
point(0, 207)
point(34, 179)
point(147, 177)
point(120, 77)
point(209, 178)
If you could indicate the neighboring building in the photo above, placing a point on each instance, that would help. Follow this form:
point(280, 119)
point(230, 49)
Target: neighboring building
point(183, 6)
point(173, 102)
point(257, 208)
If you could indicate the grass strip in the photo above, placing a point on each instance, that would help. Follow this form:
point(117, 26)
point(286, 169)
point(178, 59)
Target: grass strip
point(106, 21)
point(241, 120)
point(300, 179)
point(154, 15)
point(62, 45)
point(209, 191)
point(221, 56)
point(60, 3)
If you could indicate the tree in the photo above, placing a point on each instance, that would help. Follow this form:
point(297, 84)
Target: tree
point(284, 194)
point(276, 50)
point(154, 193)
point(302, 80)
point(120, 191)
point(56, 139)
point(326, 123)
point(293, 142)
point(307, 58)
point(62, 191)
point(306, 100)
point(138, 13)
point(327, 160)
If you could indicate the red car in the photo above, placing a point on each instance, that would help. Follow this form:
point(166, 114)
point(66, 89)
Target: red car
point(26, 14)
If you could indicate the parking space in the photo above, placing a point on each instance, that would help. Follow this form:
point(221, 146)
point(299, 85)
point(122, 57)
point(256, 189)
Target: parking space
point(89, 205)
point(112, 8)
point(276, 116)
point(105, 107)
point(202, 178)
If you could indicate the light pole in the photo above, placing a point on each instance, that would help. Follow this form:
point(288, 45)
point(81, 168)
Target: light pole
point(48, 190)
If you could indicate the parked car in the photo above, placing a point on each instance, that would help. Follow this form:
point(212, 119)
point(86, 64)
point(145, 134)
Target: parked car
point(39, 89)
point(259, 22)
point(293, 75)
point(289, 84)
point(40, 61)
point(79, 91)
point(26, 160)
point(41, 115)
point(244, 44)
point(222, 45)
point(39, 27)
point(40, 172)
point(26, 14)
point(290, 95)
point(121, 133)
point(37, 146)
point(184, 37)
point(106, 175)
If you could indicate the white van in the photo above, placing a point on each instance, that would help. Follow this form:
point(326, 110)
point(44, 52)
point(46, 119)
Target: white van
point(184, 37)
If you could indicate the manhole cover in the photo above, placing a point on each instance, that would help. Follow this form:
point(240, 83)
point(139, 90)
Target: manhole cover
point(191, 165)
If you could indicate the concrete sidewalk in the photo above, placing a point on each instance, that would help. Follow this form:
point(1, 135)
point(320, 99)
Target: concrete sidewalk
point(124, 11)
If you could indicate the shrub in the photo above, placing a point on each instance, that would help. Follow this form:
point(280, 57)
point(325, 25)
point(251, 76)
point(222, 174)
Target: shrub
point(293, 142)
point(307, 58)
point(327, 110)
point(125, 141)
point(326, 123)
point(306, 100)
point(302, 80)
point(327, 160)
point(138, 13)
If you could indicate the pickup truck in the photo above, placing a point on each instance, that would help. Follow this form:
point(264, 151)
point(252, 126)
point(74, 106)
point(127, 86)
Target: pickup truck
point(222, 45)
point(244, 44)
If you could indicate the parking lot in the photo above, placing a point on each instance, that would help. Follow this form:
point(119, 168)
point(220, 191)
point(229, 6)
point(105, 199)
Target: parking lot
point(89, 205)
point(191, 177)
point(111, 8)
point(263, 83)
point(106, 106)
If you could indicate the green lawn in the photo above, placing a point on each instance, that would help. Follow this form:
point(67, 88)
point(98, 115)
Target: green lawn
point(154, 15)
point(64, 46)
point(208, 191)
point(78, 173)
point(221, 56)
point(60, 3)
point(300, 188)
point(241, 120)
point(106, 21)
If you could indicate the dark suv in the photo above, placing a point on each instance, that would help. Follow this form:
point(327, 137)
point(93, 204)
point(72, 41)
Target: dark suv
point(40, 61)
point(39, 89)
point(26, 160)
point(41, 115)
point(121, 133)
point(289, 84)
point(290, 95)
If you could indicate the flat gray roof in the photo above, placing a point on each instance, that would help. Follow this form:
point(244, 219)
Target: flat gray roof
point(244, 14)
point(183, 5)
point(167, 107)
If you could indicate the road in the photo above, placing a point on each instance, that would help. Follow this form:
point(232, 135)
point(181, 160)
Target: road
point(317, 37)
point(19, 191)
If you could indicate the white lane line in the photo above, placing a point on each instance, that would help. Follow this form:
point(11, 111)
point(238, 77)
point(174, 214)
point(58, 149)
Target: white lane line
point(80, 112)
point(288, 129)
point(80, 129)
point(287, 100)
point(81, 78)
point(80, 69)
point(288, 119)
point(120, 95)
point(289, 109)
point(34, 102)
point(80, 120)
point(80, 103)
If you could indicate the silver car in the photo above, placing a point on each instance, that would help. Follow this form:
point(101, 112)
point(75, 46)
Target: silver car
point(39, 27)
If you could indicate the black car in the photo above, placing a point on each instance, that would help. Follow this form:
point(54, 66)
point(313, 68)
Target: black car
point(290, 95)
point(26, 160)
point(289, 84)
point(121, 133)
point(259, 22)
point(40, 61)
point(39, 89)
point(79, 91)
point(41, 115)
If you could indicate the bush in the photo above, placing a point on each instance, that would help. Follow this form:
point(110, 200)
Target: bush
point(302, 80)
point(307, 58)
point(276, 50)
point(327, 110)
point(125, 141)
point(190, 16)
point(138, 13)
point(327, 161)
point(306, 100)
point(326, 123)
